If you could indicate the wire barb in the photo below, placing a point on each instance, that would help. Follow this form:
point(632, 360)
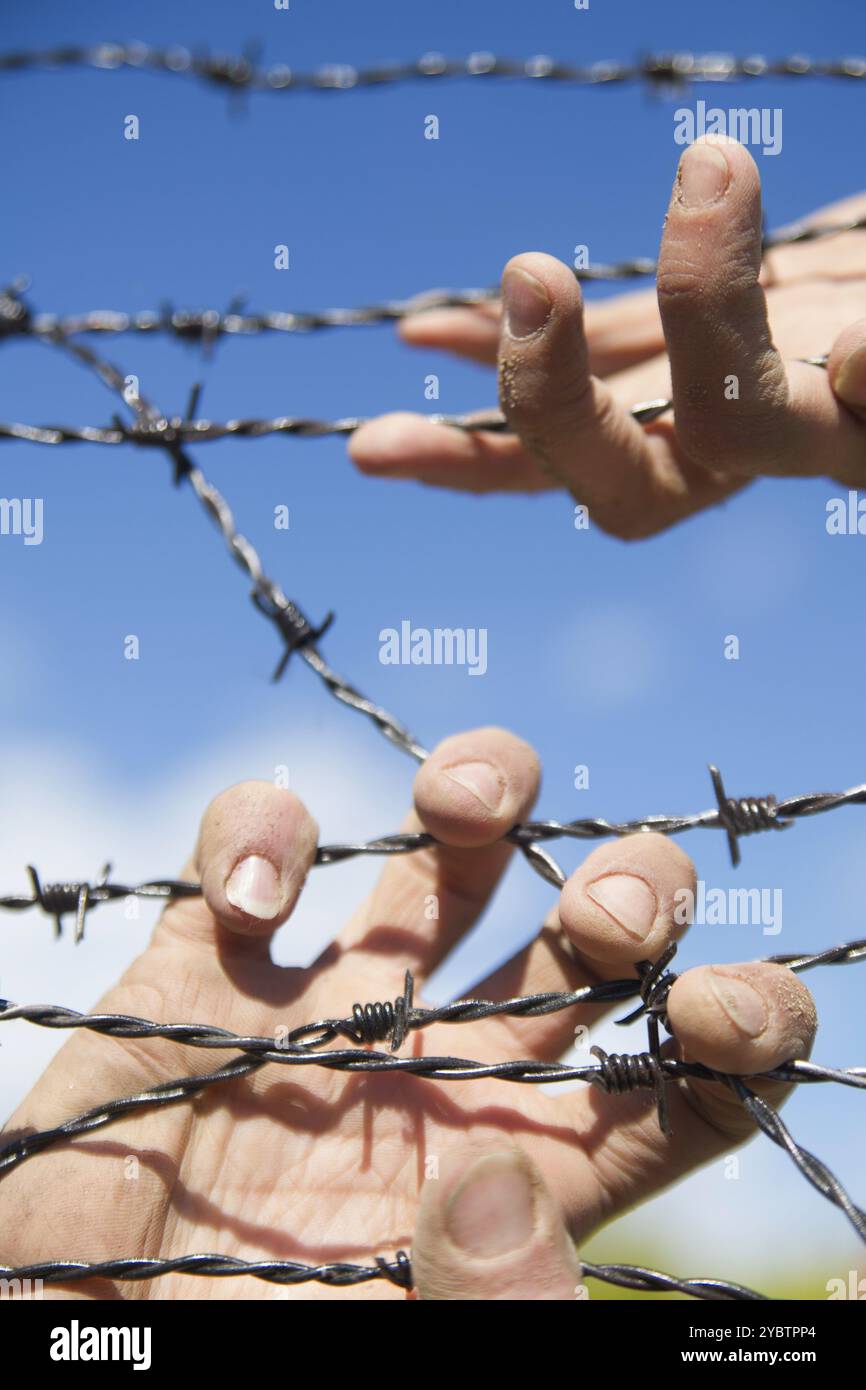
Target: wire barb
point(745, 816)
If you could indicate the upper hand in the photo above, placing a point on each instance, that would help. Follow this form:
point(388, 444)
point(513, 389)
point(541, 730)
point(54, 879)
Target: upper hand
point(568, 374)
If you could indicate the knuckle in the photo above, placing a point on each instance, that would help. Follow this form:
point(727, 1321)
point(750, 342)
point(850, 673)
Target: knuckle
point(679, 281)
point(684, 281)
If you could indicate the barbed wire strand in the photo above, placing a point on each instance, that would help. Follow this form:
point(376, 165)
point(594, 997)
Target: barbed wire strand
point(240, 73)
point(397, 1271)
point(736, 817)
point(614, 1073)
point(152, 429)
point(205, 326)
point(296, 631)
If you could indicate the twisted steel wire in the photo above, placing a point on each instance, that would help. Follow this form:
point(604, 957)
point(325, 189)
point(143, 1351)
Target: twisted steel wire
point(340, 1275)
point(604, 1071)
point(296, 631)
point(397, 1271)
point(240, 73)
point(166, 433)
point(814, 1170)
point(206, 326)
point(80, 897)
point(18, 1149)
point(150, 428)
point(613, 1073)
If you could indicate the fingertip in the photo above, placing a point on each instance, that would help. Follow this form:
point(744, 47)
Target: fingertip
point(426, 328)
point(695, 185)
point(475, 786)
point(386, 442)
point(558, 284)
point(438, 327)
point(470, 331)
point(742, 1018)
point(256, 845)
point(627, 901)
point(488, 1229)
point(846, 366)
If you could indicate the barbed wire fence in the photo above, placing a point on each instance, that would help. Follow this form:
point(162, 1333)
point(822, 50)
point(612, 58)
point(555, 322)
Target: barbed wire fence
point(652, 1069)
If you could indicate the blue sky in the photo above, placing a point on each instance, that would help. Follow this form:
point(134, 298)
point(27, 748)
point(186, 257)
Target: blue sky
point(598, 653)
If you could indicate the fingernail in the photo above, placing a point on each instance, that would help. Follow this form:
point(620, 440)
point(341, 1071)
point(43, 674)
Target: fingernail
point(492, 1210)
point(527, 303)
point(703, 175)
point(484, 781)
point(254, 887)
point(629, 900)
point(742, 1003)
point(850, 380)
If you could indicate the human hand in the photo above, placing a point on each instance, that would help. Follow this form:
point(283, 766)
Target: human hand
point(320, 1166)
point(567, 375)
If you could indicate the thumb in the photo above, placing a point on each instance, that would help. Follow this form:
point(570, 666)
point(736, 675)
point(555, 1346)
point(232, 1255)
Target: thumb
point(489, 1230)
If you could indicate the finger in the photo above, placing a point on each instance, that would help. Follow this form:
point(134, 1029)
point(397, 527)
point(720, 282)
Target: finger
point(467, 332)
point(822, 260)
point(716, 1021)
point(631, 480)
point(621, 332)
point(472, 789)
point(740, 1019)
point(737, 409)
point(410, 446)
point(847, 369)
point(626, 902)
point(255, 847)
point(488, 1229)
